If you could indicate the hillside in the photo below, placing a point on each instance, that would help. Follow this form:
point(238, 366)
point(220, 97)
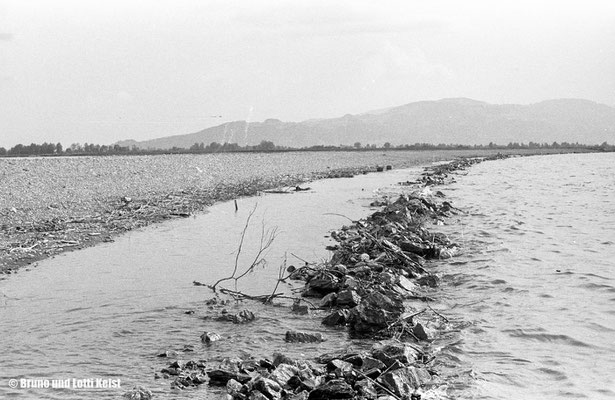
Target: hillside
point(458, 121)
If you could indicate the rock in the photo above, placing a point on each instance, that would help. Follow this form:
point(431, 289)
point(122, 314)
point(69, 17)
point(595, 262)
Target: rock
point(428, 280)
point(337, 317)
point(217, 301)
point(303, 337)
point(234, 388)
point(361, 271)
point(339, 269)
point(308, 379)
point(250, 365)
point(138, 393)
point(169, 354)
point(375, 266)
point(303, 395)
point(209, 337)
point(406, 283)
point(448, 252)
point(323, 283)
point(419, 249)
point(271, 389)
point(328, 301)
point(334, 389)
point(220, 377)
point(256, 395)
point(242, 317)
point(227, 369)
point(386, 278)
point(339, 368)
point(390, 351)
point(366, 389)
point(279, 358)
point(300, 309)
point(183, 381)
point(419, 331)
point(348, 298)
point(404, 381)
point(328, 357)
point(370, 364)
point(350, 283)
point(283, 373)
point(376, 312)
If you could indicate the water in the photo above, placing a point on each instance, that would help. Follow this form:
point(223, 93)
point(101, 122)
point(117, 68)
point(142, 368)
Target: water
point(107, 311)
point(536, 287)
point(530, 301)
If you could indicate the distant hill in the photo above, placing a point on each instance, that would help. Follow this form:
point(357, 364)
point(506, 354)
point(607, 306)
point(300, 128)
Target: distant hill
point(449, 121)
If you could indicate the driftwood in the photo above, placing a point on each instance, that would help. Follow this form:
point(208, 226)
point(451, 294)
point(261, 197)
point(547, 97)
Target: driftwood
point(267, 238)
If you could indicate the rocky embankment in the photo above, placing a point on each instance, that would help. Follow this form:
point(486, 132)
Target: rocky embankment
point(374, 286)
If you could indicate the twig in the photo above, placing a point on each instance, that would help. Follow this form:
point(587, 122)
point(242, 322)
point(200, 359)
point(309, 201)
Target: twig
point(300, 259)
point(340, 215)
point(280, 279)
point(243, 235)
point(437, 313)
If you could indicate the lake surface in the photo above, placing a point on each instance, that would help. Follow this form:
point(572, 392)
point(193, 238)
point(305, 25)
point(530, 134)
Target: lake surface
point(531, 300)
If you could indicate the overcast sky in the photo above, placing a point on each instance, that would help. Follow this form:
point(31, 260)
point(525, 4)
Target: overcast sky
point(101, 71)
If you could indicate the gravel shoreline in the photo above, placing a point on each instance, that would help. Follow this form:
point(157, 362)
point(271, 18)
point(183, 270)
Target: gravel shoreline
point(52, 205)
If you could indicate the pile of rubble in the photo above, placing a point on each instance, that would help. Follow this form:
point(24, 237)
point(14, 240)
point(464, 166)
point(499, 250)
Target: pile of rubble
point(377, 263)
point(389, 370)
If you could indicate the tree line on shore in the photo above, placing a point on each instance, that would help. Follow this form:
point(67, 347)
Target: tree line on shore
point(50, 149)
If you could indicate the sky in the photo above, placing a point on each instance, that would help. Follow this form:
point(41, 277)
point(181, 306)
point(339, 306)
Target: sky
point(102, 71)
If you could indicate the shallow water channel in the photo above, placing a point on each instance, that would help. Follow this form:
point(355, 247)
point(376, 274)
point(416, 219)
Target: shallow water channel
point(106, 312)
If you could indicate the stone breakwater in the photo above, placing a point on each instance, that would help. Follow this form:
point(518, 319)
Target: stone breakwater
point(374, 286)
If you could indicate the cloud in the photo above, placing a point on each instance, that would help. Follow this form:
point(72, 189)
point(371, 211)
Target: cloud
point(6, 37)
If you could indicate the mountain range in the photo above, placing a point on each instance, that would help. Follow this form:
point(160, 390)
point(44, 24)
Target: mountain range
point(449, 121)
